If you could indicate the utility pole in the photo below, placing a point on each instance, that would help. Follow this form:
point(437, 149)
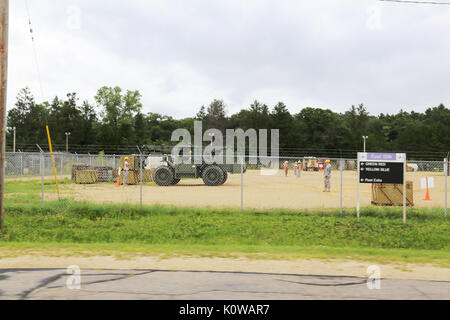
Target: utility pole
point(4, 15)
point(67, 141)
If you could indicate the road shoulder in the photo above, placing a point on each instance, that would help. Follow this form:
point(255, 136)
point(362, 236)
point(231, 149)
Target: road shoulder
point(411, 271)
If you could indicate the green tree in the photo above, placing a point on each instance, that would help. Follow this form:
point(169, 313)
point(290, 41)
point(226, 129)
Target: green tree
point(118, 113)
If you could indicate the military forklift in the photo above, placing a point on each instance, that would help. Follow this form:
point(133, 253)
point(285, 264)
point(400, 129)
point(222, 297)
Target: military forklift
point(183, 167)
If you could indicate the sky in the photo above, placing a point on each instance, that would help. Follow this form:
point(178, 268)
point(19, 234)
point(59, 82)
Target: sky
point(181, 55)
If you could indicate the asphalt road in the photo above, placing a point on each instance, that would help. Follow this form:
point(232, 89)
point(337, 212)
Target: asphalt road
point(48, 284)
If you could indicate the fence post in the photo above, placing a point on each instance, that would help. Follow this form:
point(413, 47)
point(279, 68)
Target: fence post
point(342, 162)
point(357, 189)
point(140, 178)
point(446, 185)
point(404, 190)
point(21, 163)
point(42, 163)
point(242, 185)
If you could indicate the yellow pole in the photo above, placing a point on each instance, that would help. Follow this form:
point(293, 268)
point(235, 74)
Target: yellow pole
point(53, 160)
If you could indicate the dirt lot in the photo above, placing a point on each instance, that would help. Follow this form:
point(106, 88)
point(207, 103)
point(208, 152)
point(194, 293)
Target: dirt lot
point(260, 192)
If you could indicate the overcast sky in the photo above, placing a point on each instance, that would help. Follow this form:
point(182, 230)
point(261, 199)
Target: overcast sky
point(183, 54)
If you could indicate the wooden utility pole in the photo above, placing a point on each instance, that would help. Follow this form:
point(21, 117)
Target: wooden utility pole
point(4, 15)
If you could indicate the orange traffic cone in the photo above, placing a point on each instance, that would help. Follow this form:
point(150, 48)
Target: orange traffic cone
point(427, 195)
point(118, 182)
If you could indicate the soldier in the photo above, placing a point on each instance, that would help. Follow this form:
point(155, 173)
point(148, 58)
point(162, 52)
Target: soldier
point(299, 168)
point(126, 168)
point(286, 168)
point(327, 176)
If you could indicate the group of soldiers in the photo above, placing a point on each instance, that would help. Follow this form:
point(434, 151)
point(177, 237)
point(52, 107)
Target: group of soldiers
point(297, 166)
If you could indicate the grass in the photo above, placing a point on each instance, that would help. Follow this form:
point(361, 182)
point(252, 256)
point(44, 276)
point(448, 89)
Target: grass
point(126, 251)
point(31, 186)
point(73, 222)
point(67, 227)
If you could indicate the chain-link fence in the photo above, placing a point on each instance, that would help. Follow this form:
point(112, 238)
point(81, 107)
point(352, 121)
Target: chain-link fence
point(256, 183)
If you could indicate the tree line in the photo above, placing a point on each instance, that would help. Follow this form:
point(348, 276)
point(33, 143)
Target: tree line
point(116, 121)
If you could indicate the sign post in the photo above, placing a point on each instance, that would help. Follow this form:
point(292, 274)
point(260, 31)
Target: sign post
point(341, 168)
point(382, 168)
point(357, 188)
point(404, 191)
point(446, 172)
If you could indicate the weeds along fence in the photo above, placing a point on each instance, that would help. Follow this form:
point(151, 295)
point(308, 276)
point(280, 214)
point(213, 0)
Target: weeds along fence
point(21, 164)
point(261, 183)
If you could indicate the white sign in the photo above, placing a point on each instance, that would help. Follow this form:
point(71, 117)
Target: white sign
point(382, 157)
point(424, 184)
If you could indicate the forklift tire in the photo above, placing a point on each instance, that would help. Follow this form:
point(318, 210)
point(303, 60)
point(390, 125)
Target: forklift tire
point(225, 177)
point(212, 175)
point(163, 176)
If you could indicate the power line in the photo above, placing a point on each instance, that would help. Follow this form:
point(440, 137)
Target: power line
point(34, 50)
point(417, 2)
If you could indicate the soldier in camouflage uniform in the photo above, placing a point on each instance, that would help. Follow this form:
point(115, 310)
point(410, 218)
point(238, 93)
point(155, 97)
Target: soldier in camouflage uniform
point(327, 176)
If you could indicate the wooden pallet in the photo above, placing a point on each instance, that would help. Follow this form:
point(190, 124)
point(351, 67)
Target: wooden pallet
point(77, 167)
point(86, 176)
point(105, 174)
point(133, 177)
point(392, 194)
point(148, 175)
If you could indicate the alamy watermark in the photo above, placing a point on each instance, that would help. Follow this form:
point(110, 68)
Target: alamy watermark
point(374, 279)
point(231, 150)
point(73, 18)
point(73, 282)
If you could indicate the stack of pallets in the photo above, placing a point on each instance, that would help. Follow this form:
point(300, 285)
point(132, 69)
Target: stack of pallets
point(392, 194)
point(133, 177)
point(148, 175)
point(133, 172)
point(77, 167)
point(115, 174)
point(104, 174)
point(86, 176)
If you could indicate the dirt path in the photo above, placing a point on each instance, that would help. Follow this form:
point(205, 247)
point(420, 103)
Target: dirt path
point(301, 266)
point(260, 192)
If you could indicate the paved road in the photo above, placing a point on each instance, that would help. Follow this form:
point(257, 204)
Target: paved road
point(168, 285)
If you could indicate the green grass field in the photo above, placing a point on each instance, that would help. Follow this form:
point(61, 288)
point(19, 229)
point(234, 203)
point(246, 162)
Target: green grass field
point(73, 226)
